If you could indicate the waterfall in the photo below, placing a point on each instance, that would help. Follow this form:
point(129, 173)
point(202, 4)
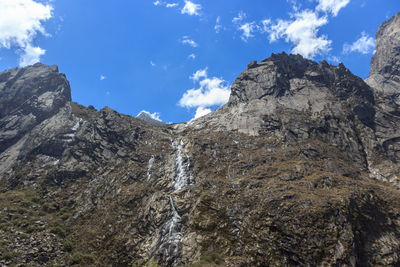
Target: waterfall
point(169, 245)
point(174, 232)
point(170, 242)
point(182, 176)
point(69, 137)
point(149, 166)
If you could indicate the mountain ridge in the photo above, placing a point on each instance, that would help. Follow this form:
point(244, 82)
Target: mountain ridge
point(299, 168)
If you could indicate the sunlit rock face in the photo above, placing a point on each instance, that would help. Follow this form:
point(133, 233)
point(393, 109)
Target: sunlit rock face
point(299, 168)
point(385, 64)
point(384, 79)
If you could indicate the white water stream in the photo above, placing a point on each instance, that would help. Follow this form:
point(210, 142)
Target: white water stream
point(149, 166)
point(182, 176)
point(172, 233)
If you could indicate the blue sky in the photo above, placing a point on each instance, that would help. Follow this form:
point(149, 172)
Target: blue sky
point(178, 58)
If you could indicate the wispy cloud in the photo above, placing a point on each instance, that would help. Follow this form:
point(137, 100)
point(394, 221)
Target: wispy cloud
point(247, 28)
point(102, 77)
point(192, 56)
point(152, 63)
point(20, 22)
point(210, 92)
point(166, 4)
point(191, 8)
point(332, 6)
point(172, 5)
point(364, 45)
point(240, 17)
point(218, 27)
point(186, 40)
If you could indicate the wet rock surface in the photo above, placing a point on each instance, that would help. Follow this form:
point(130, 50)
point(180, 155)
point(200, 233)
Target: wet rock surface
point(299, 168)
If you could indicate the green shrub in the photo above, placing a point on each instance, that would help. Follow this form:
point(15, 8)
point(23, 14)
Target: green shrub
point(68, 246)
point(59, 231)
point(82, 259)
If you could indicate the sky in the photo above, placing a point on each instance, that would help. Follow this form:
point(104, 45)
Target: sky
point(177, 59)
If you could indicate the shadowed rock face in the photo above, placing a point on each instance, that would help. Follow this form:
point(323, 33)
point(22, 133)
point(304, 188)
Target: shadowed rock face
point(285, 174)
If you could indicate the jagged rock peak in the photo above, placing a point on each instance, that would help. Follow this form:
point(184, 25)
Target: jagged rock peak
point(385, 64)
point(147, 117)
point(18, 86)
point(387, 47)
point(282, 74)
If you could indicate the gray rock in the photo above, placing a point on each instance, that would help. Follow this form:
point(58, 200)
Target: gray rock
point(385, 64)
point(284, 174)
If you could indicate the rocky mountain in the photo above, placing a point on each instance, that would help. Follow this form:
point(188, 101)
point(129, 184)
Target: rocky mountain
point(299, 168)
point(385, 64)
point(146, 116)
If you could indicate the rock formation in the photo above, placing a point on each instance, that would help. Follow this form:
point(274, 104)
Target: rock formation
point(385, 64)
point(144, 115)
point(299, 168)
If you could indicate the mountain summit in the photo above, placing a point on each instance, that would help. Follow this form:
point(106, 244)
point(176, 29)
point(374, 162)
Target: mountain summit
point(299, 168)
point(146, 116)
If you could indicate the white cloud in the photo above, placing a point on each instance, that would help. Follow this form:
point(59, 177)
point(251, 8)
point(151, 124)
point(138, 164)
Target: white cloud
point(172, 5)
point(211, 92)
point(302, 29)
point(154, 116)
point(364, 45)
point(240, 17)
point(31, 55)
point(191, 8)
point(302, 32)
point(333, 59)
point(163, 3)
point(152, 63)
point(20, 22)
point(199, 74)
point(188, 41)
point(102, 77)
point(200, 112)
point(332, 6)
point(218, 27)
point(192, 56)
point(247, 30)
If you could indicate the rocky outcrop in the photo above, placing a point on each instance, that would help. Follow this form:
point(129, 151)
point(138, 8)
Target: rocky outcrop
point(284, 174)
point(34, 104)
point(385, 64)
point(385, 80)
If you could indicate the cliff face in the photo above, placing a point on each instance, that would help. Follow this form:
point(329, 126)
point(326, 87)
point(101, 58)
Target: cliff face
point(385, 64)
point(384, 79)
point(300, 167)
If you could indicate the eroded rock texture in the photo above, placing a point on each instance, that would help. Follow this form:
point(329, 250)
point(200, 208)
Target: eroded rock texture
point(299, 168)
